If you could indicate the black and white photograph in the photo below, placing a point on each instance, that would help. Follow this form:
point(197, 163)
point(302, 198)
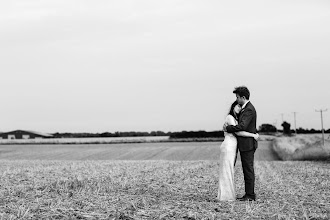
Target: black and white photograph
point(124, 110)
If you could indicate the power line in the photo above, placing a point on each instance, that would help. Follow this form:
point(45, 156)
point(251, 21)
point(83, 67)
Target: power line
point(295, 127)
point(322, 110)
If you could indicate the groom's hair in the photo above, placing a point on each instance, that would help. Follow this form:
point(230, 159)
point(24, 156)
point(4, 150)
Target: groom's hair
point(242, 91)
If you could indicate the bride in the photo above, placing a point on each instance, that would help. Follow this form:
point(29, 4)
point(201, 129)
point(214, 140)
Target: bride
point(228, 151)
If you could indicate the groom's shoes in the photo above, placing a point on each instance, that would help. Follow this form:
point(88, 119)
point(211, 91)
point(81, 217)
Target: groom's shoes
point(246, 198)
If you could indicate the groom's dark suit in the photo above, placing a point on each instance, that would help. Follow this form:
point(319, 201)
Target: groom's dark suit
point(247, 121)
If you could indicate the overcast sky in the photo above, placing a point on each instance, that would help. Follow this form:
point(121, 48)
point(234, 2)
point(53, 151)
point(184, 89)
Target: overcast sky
point(96, 66)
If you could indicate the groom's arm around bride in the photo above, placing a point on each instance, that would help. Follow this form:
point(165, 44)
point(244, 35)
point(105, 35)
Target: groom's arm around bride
point(246, 122)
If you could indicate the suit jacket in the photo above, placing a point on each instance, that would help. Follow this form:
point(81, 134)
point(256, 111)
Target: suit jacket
point(247, 121)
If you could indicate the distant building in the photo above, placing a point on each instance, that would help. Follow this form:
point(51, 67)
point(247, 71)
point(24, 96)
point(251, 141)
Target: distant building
point(21, 134)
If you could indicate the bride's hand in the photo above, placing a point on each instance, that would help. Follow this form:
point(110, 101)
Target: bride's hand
point(256, 136)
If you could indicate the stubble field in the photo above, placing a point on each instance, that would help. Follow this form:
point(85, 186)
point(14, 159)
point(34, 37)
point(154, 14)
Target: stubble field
point(134, 151)
point(84, 188)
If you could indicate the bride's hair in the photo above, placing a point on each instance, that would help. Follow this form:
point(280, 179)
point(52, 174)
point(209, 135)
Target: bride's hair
point(231, 110)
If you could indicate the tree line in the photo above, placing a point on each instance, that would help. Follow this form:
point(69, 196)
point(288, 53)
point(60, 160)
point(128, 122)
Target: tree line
point(109, 134)
point(180, 134)
point(264, 128)
point(268, 128)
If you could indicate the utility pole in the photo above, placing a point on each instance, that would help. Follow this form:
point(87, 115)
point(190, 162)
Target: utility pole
point(275, 123)
point(295, 127)
point(322, 110)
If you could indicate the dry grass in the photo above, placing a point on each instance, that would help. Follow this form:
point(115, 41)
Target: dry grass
point(302, 147)
point(158, 190)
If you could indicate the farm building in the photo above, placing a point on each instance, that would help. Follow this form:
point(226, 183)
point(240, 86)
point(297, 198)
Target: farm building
point(21, 134)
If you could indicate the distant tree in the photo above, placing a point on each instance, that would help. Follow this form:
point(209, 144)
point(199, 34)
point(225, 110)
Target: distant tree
point(197, 134)
point(106, 134)
point(286, 128)
point(267, 128)
point(117, 134)
point(161, 133)
point(57, 135)
point(158, 133)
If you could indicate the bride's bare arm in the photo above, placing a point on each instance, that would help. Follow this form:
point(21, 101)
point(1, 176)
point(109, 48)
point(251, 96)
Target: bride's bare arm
point(247, 134)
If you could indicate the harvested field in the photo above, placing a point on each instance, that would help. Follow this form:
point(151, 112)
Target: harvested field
point(152, 181)
point(97, 140)
point(136, 151)
point(158, 190)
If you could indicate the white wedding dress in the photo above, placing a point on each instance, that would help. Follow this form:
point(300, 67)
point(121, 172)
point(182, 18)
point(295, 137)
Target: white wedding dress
point(228, 149)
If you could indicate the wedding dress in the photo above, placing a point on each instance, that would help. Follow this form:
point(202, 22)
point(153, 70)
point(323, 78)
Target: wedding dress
point(228, 149)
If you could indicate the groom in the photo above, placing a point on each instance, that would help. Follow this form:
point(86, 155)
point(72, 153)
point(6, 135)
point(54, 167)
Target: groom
point(247, 145)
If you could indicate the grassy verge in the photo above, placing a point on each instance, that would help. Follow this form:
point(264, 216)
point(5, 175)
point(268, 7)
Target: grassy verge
point(158, 190)
point(302, 147)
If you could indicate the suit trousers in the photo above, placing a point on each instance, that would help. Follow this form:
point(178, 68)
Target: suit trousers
point(247, 159)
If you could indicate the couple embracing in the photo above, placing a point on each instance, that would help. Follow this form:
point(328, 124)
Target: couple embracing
point(240, 134)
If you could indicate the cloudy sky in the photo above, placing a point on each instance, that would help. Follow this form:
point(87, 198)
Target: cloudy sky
point(95, 66)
